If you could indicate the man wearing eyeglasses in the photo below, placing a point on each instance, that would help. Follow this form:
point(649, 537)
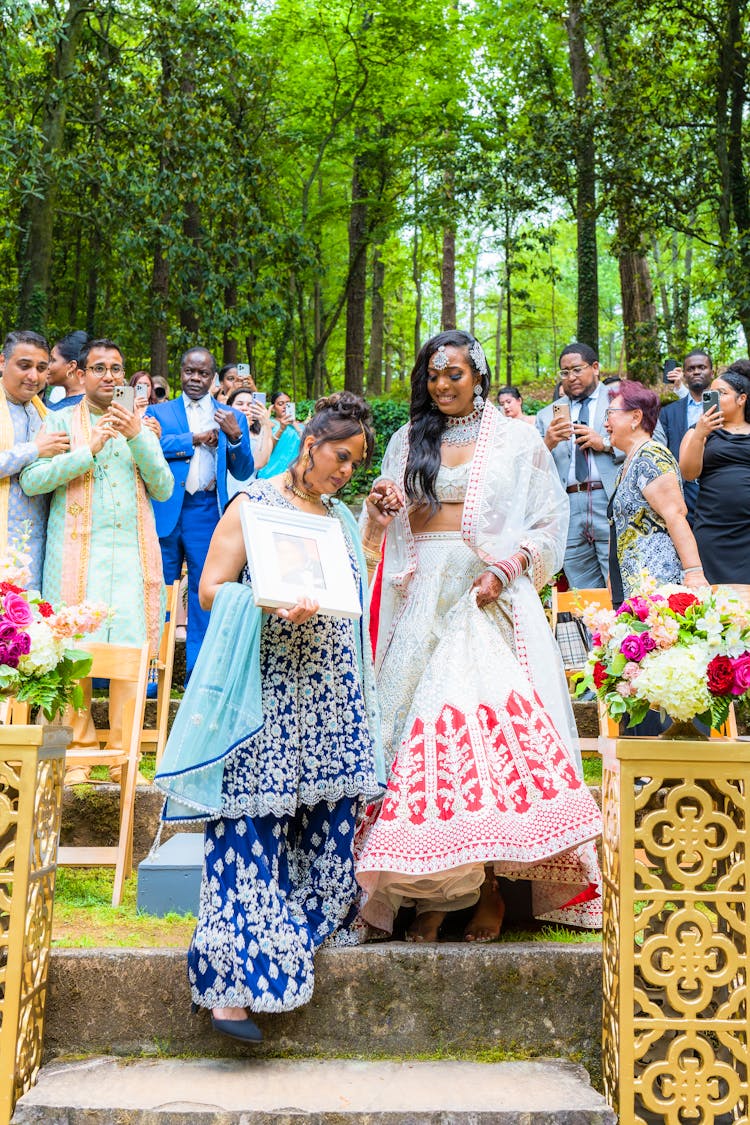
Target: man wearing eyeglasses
point(586, 462)
point(101, 533)
point(202, 442)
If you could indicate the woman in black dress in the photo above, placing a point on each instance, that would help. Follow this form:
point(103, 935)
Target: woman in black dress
point(716, 453)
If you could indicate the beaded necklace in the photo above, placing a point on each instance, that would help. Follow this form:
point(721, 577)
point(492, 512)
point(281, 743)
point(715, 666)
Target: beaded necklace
point(462, 431)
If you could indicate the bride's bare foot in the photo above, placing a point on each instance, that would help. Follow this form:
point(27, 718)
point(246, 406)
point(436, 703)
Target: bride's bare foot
point(487, 921)
point(425, 927)
point(229, 1013)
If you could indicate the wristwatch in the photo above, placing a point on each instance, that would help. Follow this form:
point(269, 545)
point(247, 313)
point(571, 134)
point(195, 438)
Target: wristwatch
point(607, 442)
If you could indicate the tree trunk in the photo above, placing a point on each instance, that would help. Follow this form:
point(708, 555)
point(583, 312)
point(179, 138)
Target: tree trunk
point(585, 166)
point(448, 280)
point(354, 363)
point(229, 349)
point(638, 314)
point(35, 266)
point(160, 298)
point(416, 271)
point(377, 326)
point(388, 364)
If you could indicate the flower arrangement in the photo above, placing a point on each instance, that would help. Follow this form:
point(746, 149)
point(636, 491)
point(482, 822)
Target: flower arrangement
point(683, 651)
point(38, 661)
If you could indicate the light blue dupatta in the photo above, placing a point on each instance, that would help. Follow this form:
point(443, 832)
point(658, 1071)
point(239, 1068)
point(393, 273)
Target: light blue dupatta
point(221, 708)
point(222, 705)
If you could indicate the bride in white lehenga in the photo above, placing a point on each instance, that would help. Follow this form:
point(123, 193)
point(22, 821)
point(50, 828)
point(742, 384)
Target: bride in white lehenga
point(485, 773)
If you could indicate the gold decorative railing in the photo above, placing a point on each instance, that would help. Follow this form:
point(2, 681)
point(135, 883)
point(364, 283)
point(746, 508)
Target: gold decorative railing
point(675, 941)
point(32, 764)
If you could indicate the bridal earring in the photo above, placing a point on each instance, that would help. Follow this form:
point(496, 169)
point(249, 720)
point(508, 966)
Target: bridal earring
point(478, 397)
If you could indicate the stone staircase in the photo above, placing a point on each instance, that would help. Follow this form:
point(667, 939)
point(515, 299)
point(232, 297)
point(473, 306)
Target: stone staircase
point(396, 1034)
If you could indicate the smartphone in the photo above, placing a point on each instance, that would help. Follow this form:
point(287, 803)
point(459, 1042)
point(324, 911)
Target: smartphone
point(667, 370)
point(561, 409)
point(710, 398)
point(291, 411)
point(243, 372)
point(141, 390)
point(260, 397)
point(126, 397)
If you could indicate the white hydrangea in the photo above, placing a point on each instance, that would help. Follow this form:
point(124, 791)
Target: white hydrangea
point(46, 651)
point(675, 679)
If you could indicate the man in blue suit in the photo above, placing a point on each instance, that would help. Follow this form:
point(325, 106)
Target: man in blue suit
point(201, 441)
point(676, 418)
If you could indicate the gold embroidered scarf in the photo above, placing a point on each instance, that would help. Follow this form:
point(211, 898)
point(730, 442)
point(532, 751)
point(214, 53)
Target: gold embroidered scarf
point(78, 528)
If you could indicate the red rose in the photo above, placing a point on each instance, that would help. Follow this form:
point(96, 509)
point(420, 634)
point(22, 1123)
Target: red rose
point(719, 673)
point(678, 603)
point(9, 588)
point(599, 675)
point(45, 609)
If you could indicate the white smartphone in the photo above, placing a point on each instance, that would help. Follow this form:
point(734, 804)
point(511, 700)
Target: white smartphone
point(141, 390)
point(126, 397)
point(243, 372)
point(260, 397)
point(291, 411)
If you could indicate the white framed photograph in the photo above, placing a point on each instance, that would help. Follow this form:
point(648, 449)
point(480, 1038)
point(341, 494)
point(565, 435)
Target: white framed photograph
point(295, 554)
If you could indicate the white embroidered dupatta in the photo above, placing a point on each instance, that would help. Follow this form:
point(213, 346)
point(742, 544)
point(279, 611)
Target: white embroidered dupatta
point(514, 499)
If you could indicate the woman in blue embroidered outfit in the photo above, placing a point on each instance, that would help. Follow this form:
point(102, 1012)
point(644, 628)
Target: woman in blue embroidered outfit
point(291, 754)
point(485, 774)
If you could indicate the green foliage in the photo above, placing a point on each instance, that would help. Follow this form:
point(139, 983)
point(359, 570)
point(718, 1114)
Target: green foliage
point(196, 161)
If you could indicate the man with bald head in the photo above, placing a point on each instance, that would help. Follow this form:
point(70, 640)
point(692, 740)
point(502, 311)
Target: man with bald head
point(202, 441)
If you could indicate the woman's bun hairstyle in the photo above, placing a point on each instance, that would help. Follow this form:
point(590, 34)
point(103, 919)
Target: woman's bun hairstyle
point(337, 417)
point(346, 404)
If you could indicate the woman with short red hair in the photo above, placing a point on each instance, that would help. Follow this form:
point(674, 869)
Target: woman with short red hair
point(647, 512)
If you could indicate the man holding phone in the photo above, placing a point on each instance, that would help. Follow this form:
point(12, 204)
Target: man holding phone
point(202, 442)
point(101, 534)
point(676, 418)
point(573, 431)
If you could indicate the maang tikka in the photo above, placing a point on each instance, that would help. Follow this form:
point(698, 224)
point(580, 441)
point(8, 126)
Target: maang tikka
point(440, 359)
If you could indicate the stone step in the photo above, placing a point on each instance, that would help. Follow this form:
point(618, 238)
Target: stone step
point(336, 1092)
point(509, 1000)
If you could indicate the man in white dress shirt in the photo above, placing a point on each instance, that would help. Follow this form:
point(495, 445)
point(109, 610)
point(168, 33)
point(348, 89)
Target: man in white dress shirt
point(586, 462)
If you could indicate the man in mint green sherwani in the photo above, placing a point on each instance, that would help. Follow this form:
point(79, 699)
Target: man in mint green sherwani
point(101, 536)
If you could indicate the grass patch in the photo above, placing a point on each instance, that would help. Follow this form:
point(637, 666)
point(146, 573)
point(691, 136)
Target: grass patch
point(84, 917)
point(147, 767)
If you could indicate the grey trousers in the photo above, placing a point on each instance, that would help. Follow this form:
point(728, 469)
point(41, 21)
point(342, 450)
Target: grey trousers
point(587, 563)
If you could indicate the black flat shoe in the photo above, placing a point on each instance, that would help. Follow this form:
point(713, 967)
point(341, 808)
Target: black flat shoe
point(244, 1030)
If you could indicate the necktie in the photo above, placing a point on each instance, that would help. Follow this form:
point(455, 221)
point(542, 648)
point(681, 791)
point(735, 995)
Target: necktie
point(582, 457)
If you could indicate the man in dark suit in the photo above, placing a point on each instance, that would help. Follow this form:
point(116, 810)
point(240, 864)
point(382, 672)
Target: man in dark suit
point(676, 418)
point(201, 441)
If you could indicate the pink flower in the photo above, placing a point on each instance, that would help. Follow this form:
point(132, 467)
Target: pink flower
point(741, 674)
point(8, 632)
point(596, 639)
point(17, 609)
point(625, 689)
point(631, 670)
point(637, 606)
point(636, 645)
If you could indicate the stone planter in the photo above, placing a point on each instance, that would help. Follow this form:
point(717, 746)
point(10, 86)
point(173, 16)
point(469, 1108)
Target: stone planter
point(675, 941)
point(32, 765)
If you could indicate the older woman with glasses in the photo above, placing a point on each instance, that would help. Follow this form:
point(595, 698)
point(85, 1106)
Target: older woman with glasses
point(647, 512)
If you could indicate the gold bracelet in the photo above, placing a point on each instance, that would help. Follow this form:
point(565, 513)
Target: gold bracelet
point(372, 558)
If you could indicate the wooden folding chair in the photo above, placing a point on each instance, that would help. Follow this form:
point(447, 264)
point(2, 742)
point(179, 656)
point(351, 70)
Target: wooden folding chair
point(129, 664)
point(163, 664)
point(575, 601)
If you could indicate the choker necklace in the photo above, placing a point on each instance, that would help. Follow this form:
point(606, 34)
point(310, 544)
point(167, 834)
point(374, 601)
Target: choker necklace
point(462, 431)
point(301, 493)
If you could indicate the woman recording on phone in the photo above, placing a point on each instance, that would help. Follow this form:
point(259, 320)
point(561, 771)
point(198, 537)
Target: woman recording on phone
point(285, 431)
point(716, 453)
